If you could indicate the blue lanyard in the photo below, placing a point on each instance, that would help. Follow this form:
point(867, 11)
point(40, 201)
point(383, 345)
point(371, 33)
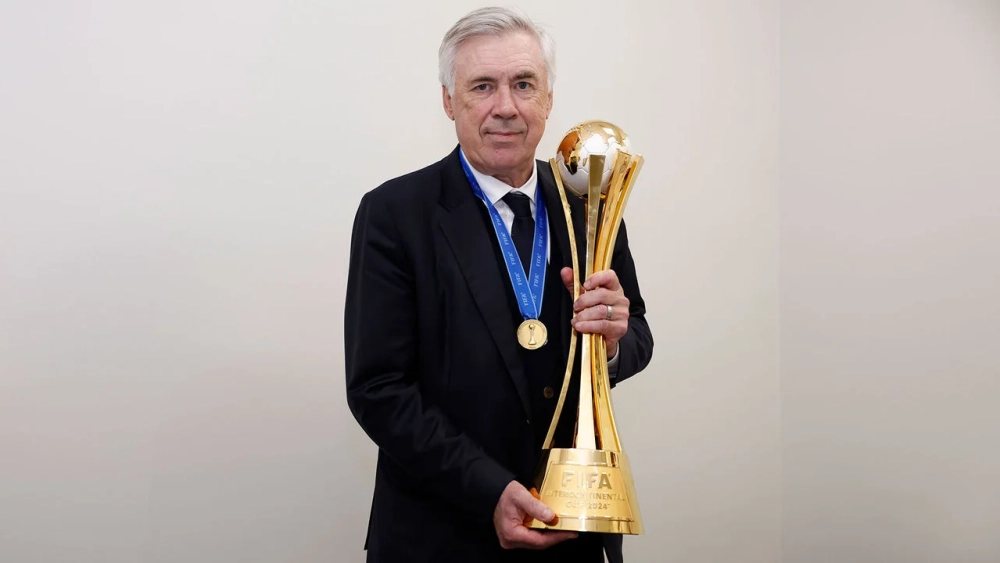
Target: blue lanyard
point(529, 289)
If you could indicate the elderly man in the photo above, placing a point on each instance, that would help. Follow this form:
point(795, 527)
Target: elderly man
point(435, 373)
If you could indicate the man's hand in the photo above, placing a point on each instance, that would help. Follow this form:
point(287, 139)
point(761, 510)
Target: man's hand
point(515, 506)
point(601, 294)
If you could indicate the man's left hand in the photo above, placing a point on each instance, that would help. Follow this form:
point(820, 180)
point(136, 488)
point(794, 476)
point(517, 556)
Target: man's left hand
point(602, 307)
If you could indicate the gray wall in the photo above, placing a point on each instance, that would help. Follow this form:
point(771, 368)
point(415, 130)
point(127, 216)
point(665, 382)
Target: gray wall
point(890, 273)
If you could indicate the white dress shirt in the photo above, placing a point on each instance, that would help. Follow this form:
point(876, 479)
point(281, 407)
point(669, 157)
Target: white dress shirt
point(494, 190)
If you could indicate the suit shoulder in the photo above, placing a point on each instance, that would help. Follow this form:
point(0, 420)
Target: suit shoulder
point(411, 188)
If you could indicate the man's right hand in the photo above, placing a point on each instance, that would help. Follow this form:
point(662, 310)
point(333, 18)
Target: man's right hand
point(516, 504)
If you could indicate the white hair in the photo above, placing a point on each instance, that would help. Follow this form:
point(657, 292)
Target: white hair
point(496, 22)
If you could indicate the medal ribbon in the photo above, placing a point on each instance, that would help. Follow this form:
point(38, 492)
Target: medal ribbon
point(529, 288)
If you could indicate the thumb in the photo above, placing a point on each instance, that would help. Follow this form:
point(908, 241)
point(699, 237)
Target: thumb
point(527, 503)
point(567, 279)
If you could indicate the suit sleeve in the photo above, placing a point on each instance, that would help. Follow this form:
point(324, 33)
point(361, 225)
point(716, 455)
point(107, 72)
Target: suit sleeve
point(383, 391)
point(635, 349)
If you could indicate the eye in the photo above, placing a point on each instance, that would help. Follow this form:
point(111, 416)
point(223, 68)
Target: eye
point(481, 87)
point(523, 85)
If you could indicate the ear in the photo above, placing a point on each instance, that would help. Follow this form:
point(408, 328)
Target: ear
point(446, 100)
point(548, 110)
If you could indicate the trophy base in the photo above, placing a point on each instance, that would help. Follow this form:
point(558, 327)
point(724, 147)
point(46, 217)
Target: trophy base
point(589, 490)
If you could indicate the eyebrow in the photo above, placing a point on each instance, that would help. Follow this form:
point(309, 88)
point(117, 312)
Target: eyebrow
point(519, 76)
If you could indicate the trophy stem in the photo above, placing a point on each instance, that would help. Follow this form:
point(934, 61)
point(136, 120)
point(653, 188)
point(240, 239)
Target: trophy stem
point(586, 435)
point(593, 211)
point(614, 193)
point(623, 179)
point(607, 432)
point(568, 374)
point(629, 175)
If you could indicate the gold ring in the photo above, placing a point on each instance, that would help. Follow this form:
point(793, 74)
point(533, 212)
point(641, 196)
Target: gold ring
point(609, 311)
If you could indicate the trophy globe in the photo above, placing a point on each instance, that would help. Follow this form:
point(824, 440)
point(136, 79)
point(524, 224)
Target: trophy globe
point(585, 139)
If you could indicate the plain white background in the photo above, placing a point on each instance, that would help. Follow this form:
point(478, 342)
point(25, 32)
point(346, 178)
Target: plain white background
point(177, 186)
point(890, 281)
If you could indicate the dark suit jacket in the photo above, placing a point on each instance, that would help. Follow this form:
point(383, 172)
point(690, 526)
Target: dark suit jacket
point(434, 376)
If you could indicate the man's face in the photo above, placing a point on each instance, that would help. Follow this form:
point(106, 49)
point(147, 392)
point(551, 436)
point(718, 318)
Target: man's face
point(500, 104)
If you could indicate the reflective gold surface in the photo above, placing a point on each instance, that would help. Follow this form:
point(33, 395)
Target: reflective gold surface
point(585, 139)
point(590, 490)
point(532, 334)
point(568, 216)
point(589, 486)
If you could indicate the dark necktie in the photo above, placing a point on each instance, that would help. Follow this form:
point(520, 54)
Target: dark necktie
point(523, 228)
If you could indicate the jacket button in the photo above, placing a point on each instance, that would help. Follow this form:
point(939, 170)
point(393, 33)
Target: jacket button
point(548, 392)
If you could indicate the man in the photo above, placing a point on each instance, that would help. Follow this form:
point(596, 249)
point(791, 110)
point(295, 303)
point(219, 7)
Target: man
point(435, 373)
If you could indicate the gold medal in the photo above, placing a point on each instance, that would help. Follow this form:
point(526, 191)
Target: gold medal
point(532, 334)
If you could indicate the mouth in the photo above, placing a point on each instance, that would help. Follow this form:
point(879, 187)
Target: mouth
point(504, 134)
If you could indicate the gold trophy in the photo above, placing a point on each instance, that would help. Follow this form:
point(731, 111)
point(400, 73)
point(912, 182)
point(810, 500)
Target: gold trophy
point(589, 486)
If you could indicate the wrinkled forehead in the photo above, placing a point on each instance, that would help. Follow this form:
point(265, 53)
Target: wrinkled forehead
point(498, 56)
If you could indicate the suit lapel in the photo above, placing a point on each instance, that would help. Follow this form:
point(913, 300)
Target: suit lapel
point(463, 228)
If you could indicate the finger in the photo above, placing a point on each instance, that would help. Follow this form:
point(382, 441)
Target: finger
point(527, 518)
point(603, 278)
point(600, 313)
point(603, 312)
point(531, 506)
point(608, 329)
point(600, 297)
point(521, 536)
point(567, 279)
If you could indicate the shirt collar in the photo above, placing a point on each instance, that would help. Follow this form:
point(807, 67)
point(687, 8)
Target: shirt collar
point(495, 189)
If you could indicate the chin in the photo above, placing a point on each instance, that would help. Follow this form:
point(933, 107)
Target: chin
point(508, 151)
point(507, 162)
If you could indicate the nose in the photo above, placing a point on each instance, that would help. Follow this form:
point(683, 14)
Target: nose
point(504, 107)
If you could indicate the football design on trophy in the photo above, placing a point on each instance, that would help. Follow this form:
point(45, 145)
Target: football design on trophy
point(583, 140)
